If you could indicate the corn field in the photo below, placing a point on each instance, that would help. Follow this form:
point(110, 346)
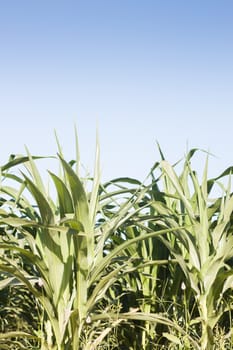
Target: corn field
point(116, 265)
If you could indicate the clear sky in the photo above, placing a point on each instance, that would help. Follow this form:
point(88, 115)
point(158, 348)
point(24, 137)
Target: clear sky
point(143, 70)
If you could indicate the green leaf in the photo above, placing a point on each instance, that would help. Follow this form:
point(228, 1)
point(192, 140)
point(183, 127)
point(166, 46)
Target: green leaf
point(65, 200)
point(44, 207)
point(79, 197)
point(172, 338)
point(18, 159)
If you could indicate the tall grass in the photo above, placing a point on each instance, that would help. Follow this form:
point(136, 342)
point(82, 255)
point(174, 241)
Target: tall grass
point(117, 265)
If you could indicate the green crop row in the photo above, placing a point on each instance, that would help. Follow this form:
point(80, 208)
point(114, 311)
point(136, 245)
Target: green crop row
point(116, 265)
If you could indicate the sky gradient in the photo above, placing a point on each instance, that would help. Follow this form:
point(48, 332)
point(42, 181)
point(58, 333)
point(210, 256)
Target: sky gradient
point(143, 71)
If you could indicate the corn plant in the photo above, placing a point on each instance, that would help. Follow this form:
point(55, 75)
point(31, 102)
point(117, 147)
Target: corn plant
point(73, 273)
point(202, 246)
point(120, 264)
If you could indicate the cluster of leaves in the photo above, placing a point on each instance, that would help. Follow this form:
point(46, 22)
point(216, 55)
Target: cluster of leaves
point(121, 265)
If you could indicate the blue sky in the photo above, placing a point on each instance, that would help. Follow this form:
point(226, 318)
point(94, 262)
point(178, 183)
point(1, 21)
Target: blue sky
point(143, 70)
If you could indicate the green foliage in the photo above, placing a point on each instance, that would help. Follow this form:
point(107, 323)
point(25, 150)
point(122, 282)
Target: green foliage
point(120, 265)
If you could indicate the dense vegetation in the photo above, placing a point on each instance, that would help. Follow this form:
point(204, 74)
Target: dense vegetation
point(119, 265)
